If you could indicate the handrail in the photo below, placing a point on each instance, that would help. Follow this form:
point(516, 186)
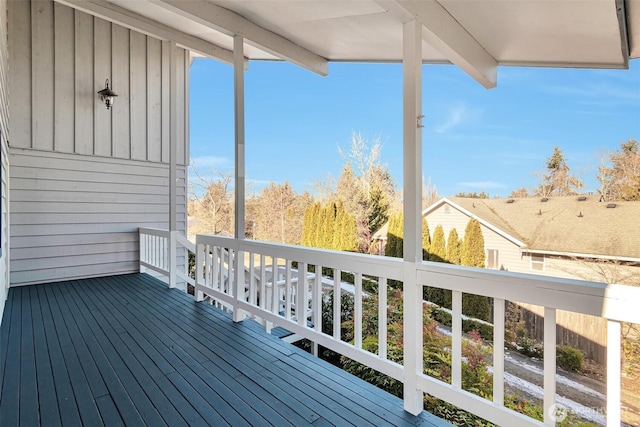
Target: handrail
point(158, 250)
point(258, 279)
point(611, 301)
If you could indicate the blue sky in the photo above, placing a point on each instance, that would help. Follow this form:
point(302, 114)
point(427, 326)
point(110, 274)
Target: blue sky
point(474, 139)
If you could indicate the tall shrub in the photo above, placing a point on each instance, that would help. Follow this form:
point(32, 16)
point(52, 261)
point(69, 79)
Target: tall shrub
point(438, 249)
point(426, 239)
point(473, 256)
point(472, 253)
point(453, 247)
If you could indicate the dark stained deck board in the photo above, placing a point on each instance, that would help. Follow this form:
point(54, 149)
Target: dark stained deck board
point(64, 398)
point(339, 413)
point(127, 388)
point(48, 408)
point(9, 400)
point(126, 350)
point(358, 414)
point(326, 393)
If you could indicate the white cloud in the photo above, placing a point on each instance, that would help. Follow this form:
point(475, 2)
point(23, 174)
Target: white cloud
point(207, 163)
point(482, 184)
point(455, 117)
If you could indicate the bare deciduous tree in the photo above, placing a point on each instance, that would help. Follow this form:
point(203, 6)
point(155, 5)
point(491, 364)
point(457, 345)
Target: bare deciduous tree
point(211, 201)
point(621, 181)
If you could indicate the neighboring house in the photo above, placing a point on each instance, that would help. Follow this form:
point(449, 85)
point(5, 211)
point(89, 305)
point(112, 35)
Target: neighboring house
point(83, 189)
point(573, 237)
point(554, 236)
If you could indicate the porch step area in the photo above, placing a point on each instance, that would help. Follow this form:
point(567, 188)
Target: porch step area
point(126, 350)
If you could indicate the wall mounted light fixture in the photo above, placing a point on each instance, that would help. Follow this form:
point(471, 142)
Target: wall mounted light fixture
point(107, 95)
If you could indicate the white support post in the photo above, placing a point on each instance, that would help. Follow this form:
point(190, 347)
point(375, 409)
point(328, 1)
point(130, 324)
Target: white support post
point(549, 366)
point(143, 251)
point(239, 283)
point(238, 86)
point(301, 293)
point(200, 260)
point(412, 166)
point(382, 318)
point(357, 311)
point(173, 139)
point(498, 351)
point(337, 302)
point(456, 339)
point(613, 373)
point(172, 253)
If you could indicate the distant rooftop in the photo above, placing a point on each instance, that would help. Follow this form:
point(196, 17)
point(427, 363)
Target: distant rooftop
point(572, 224)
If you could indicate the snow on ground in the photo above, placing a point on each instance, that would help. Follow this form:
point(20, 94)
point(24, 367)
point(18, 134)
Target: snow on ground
point(533, 390)
point(451, 312)
point(536, 391)
point(561, 379)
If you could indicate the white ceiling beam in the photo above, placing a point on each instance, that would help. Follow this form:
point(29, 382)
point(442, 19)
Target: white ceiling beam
point(231, 23)
point(126, 18)
point(444, 33)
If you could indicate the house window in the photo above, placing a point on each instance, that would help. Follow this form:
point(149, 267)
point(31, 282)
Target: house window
point(493, 259)
point(447, 209)
point(537, 262)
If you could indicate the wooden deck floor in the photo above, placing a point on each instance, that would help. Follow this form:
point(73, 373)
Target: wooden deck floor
point(126, 350)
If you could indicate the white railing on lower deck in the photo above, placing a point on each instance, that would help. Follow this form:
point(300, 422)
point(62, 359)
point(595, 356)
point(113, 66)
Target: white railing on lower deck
point(259, 280)
point(616, 303)
point(268, 287)
point(159, 251)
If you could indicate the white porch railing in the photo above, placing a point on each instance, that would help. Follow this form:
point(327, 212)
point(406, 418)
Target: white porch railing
point(259, 280)
point(159, 250)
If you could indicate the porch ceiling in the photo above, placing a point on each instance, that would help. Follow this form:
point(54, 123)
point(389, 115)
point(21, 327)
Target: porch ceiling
point(564, 33)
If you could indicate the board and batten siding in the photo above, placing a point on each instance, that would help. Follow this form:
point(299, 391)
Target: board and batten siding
point(77, 216)
point(61, 58)
point(84, 178)
point(4, 165)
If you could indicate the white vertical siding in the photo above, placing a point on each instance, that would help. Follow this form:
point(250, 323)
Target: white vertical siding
point(84, 178)
point(61, 57)
point(4, 165)
point(76, 216)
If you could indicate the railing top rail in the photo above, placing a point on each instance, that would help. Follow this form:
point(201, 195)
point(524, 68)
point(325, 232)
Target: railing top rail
point(614, 302)
point(154, 231)
point(391, 268)
point(185, 242)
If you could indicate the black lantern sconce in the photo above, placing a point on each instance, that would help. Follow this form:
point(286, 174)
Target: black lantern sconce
point(107, 95)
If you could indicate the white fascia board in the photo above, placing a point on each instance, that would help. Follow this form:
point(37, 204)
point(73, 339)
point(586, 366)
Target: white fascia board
point(444, 33)
point(128, 19)
point(581, 255)
point(231, 23)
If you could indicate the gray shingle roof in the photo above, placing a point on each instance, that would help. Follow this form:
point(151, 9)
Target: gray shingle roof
point(564, 224)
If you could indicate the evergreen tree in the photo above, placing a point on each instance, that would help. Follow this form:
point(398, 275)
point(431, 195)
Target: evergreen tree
point(315, 226)
point(473, 256)
point(400, 242)
point(472, 253)
point(438, 251)
point(338, 227)
point(453, 247)
point(350, 233)
point(390, 246)
point(395, 236)
point(557, 181)
point(379, 205)
point(426, 239)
